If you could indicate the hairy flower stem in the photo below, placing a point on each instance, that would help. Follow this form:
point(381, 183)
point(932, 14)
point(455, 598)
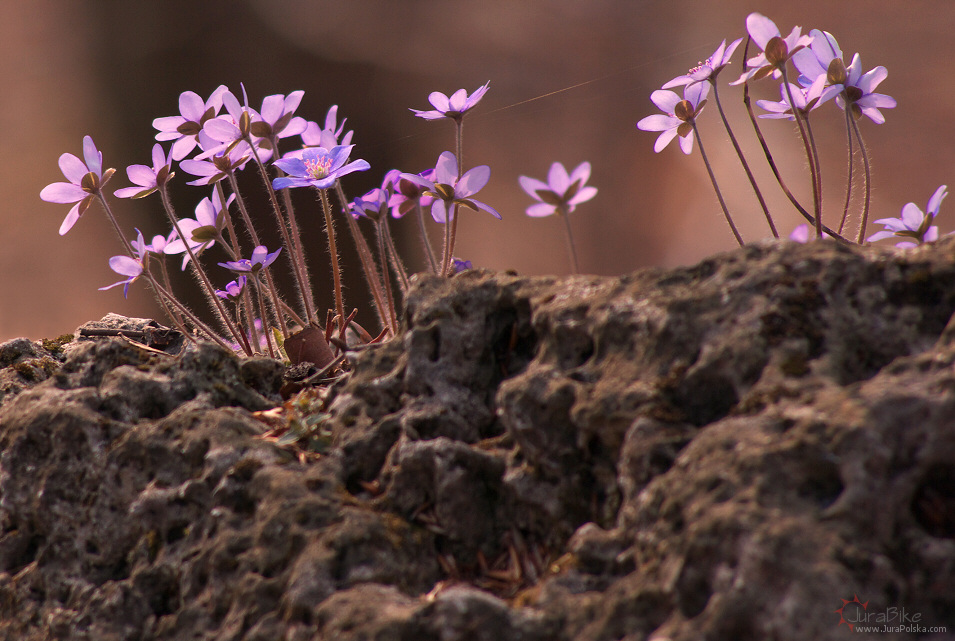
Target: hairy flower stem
point(453, 223)
point(867, 178)
point(428, 250)
point(291, 236)
point(845, 210)
point(198, 324)
point(249, 315)
point(719, 194)
point(811, 157)
point(742, 159)
point(393, 257)
point(383, 253)
point(236, 249)
point(200, 273)
point(772, 165)
point(571, 248)
point(452, 214)
point(367, 261)
point(262, 313)
point(333, 256)
point(276, 307)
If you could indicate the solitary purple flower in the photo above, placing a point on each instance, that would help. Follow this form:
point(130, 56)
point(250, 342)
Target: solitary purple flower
point(707, 70)
point(184, 129)
point(776, 50)
point(561, 192)
point(458, 265)
point(913, 223)
point(678, 115)
point(454, 107)
point(318, 167)
point(128, 266)
point(86, 183)
point(149, 179)
point(405, 193)
point(261, 258)
point(856, 90)
point(233, 289)
point(448, 189)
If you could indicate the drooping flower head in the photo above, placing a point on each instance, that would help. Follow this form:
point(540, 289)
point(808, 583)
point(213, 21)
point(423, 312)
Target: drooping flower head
point(261, 258)
point(806, 100)
point(128, 266)
point(776, 50)
point(233, 289)
point(709, 69)
point(373, 205)
point(913, 225)
point(562, 191)
point(202, 231)
point(318, 167)
point(454, 107)
point(86, 183)
point(217, 166)
point(184, 129)
point(449, 189)
point(678, 115)
point(405, 193)
point(148, 179)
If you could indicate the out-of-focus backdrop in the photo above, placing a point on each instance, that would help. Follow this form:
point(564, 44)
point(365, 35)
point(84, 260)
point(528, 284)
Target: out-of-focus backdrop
point(569, 80)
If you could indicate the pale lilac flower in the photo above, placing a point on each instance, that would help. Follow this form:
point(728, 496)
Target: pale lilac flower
point(708, 70)
point(813, 61)
point(857, 89)
point(212, 170)
point(184, 129)
point(328, 136)
point(278, 119)
point(148, 179)
point(86, 183)
point(128, 266)
point(454, 107)
point(158, 244)
point(913, 223)
point(448, 189)
point(233, 289)
point(203, 230)
point(261, 258)
point(678, 115)
point(234, 127)
point(404, 193)
point(806, 100)
point(801, 234)
point(318, 167)
point(562, 191)
point(776, 50)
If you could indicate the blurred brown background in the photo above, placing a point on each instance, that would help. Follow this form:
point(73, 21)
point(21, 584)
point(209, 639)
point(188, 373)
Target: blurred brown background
point(569, 80)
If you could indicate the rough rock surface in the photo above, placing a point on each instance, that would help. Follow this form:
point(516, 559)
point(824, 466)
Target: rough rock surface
point(727, 451)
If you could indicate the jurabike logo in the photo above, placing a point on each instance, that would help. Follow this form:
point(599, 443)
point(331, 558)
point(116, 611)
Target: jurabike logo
point(854, 612)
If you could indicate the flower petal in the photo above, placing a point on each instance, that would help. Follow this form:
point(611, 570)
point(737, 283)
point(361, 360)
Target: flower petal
point(439, 101)
point(62, 193)
point(446, 171)
point(532, 186)
point(539, 210)
point(557, 178)
point(761, 29)
point(472, 181)
point(73, 168)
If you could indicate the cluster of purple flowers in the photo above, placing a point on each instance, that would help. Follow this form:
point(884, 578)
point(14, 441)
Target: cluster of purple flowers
point(215, 138)
point(821, 75)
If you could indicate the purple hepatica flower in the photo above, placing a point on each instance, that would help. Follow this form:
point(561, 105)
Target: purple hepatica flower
point(158, 244)
point(856, 89)
point(776, 50)
point(330, 135)
point(233, 289)
point(203, 230)
point(458, 265)
point(913, 223)
point(278, 117)
point(373, 205)
point(184, 129)
point(212, 170)
point(86, 183)
point(404, 193)
point(233, 128)
point(448, 189)
point(128, 266)
point(454, 107)
point(708, 70)
point(561, 192)
point(261, 258)
point(678, 115)
point(806, 100)
point(149, 179)
point(318, 167)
